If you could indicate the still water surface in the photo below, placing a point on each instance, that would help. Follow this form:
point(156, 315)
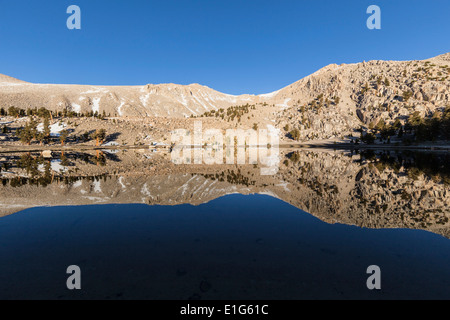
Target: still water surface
point(233, 247)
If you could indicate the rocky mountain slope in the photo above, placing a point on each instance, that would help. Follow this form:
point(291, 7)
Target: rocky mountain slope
point(332, 102)
point(339, 98)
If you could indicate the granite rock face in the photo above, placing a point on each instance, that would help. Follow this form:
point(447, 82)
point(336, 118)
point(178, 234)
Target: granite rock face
point(331, 103)
point(349, 96)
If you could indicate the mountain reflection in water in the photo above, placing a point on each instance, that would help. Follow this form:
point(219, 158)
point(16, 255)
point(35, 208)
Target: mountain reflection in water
point(374, 189)
point(205, 241)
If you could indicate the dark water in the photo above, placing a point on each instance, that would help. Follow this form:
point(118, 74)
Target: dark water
point(235, 247)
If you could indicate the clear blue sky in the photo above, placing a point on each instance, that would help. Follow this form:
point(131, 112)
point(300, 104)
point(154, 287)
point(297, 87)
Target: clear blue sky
point(234, 46)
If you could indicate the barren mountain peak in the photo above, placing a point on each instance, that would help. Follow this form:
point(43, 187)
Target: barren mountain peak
point(443, 57)
point(352, 95)
point(8, 79)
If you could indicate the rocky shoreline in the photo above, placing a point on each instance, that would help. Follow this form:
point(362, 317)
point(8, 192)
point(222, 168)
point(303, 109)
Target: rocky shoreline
point(325, 146)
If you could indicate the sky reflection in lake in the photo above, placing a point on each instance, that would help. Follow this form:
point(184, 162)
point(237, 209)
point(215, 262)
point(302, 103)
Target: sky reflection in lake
point(234, 247)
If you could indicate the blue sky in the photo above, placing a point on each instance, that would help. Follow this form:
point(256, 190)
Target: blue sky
point(234, 46)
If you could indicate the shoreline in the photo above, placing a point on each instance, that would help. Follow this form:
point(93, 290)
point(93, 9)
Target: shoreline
point(329, 146)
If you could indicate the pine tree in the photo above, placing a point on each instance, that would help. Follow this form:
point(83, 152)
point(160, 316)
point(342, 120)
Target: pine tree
point(43, 113)
point(99, 136)
point(46, 130)
point(63, 136)
point(13, 111)
point(26, 134)
point(380, 125)
point(295, 134)
point(415, 119)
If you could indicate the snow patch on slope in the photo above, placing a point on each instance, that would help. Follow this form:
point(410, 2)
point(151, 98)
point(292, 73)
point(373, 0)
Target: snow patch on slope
point(55, 129)
point(76, 107)
point(96, 105)
point(269, 95)
point(119, 108)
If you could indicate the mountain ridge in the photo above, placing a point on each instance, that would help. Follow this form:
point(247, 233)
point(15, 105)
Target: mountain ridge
point(332, 102)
